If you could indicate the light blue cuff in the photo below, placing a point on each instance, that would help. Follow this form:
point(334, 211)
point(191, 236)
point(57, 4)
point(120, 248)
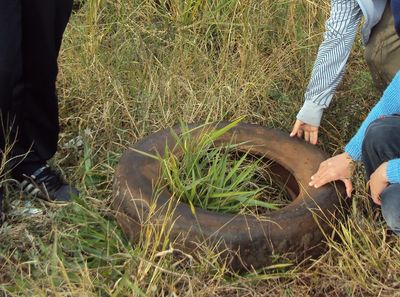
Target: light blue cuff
point(393, 171)
point(311, 113)
point(353, 149)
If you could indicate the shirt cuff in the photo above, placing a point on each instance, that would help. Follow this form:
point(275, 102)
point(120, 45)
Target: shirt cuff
point(311, 113)
point(353, 149)
point(393, 171)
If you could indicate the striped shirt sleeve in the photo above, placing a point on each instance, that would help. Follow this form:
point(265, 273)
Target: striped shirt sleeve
point(328, 70)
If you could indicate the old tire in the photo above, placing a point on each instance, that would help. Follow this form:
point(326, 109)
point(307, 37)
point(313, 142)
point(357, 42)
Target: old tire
point(295, 230)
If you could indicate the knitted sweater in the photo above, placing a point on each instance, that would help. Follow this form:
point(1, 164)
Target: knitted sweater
point(387, 105)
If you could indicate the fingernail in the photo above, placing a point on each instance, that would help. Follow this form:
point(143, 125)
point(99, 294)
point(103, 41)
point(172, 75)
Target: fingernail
point(312, 177)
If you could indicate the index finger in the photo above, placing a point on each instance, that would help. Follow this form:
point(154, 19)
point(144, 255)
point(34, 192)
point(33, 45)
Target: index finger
point(296, 128)
point(377, 200)
point(314, 137)
point(320, 180)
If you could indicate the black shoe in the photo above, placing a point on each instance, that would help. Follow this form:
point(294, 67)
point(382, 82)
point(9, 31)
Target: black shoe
point(47, 184)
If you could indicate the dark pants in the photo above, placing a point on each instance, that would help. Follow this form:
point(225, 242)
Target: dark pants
point(381, 144)
point(30, 39)
point(382, 52)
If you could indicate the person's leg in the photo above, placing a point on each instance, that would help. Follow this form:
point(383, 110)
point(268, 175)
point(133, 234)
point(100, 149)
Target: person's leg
point(382, 52)
point(382, 143)
point(10, 73)
point(36, 104)
point(44, 22)
point(10, 63)
point(390, 199)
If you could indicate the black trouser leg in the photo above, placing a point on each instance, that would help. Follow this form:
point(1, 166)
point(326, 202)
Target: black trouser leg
point(381, 144)
point(10, 62)
point(43, 24)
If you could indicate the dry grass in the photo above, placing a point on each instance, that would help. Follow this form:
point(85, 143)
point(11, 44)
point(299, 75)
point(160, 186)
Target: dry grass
point(130, 68)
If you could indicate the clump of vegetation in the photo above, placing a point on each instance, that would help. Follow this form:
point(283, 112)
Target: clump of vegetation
point(214, 178)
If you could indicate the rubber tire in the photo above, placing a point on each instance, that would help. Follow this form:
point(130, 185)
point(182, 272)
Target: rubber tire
point(295, 231)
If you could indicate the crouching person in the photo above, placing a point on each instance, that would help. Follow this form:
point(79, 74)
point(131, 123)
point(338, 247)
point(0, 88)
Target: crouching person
point(377, 145)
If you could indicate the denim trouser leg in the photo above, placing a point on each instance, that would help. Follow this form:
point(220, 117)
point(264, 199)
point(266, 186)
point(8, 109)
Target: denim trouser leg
point(381, 144)
point(390, 199)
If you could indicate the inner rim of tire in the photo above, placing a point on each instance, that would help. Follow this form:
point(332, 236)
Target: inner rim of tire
point(282, 177)
point(285, 178)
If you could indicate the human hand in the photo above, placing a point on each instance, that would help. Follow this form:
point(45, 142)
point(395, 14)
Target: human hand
point(335, 168)
point(310, 132)
point(378, 182)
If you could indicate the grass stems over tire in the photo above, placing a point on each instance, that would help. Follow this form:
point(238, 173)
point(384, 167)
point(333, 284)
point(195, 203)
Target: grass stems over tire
point(213, 178)
point(218, 178)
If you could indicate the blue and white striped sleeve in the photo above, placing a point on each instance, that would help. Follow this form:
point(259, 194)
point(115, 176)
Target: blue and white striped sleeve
point(328, 70)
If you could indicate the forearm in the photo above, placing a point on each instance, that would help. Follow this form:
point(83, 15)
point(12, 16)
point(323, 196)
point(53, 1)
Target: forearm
point(387, 105)
point(328, 70)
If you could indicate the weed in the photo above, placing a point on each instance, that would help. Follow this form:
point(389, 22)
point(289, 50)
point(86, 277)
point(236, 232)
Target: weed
point(213, 178)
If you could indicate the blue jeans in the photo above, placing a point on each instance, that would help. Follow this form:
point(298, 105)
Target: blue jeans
point(381, 144)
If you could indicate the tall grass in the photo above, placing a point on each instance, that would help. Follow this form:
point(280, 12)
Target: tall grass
point(130, 68)
point(216, 178)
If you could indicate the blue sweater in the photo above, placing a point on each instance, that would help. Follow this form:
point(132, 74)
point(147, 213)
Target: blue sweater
point(389, 104)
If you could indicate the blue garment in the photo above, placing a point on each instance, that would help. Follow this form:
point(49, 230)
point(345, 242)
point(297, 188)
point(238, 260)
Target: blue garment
point(396, 14)
point(391, 207)
point(381, 143)
point(389, 104)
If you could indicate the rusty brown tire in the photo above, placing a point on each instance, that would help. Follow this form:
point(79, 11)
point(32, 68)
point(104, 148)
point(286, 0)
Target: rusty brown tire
point(295, 231)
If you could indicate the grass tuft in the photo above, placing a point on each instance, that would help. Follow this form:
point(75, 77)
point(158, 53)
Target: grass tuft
point(213, 178)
